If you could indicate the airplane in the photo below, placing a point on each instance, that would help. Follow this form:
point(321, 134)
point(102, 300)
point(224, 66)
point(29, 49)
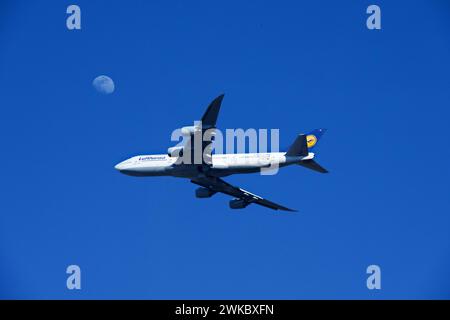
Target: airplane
point(208, 172)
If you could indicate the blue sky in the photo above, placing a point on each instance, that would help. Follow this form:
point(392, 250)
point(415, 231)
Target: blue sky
point(383, 96)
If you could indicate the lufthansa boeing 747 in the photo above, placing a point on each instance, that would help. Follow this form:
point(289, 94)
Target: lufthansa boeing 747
point(194, 160)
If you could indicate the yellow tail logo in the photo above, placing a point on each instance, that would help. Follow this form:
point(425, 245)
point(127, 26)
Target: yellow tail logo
point(311, 140)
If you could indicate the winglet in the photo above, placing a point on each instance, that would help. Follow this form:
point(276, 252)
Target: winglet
point(210, 117)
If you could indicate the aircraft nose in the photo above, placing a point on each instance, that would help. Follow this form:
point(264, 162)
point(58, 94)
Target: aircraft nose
point(118, 166)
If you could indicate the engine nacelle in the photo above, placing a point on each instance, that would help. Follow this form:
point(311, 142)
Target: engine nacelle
point(175, 151)
point(238, 204)
point(204, 192)
point(189, 131)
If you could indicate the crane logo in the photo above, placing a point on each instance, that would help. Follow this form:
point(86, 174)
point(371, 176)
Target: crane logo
point(311, 140)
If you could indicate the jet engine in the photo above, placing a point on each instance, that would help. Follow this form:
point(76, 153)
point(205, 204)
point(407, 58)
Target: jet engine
point(204, 192)
point(238, 204)
point(189, 131)
point(175, 151)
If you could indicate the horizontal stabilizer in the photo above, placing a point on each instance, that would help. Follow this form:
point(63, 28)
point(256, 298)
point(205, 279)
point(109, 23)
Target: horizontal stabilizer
point(311, 164)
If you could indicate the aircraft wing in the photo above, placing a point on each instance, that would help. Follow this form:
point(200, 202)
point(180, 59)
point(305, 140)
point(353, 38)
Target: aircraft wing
point(218, 185)
point(200, 149)
point(209, 120)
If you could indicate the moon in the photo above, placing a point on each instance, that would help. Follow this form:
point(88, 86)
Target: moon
point(103, 84)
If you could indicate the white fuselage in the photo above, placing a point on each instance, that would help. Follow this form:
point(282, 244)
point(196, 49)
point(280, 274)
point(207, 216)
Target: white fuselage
point(222, 164)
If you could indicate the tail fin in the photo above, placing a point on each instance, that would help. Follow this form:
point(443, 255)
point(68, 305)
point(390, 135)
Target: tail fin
point(313, 137)
point(301, 147)
point(305, 143)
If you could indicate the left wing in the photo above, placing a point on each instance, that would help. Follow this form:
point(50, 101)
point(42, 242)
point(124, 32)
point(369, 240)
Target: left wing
point(242, 196)
point(209, 120)
point(197, 146)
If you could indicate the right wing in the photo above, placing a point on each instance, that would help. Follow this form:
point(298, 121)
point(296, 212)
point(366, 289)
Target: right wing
point(218, 185)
